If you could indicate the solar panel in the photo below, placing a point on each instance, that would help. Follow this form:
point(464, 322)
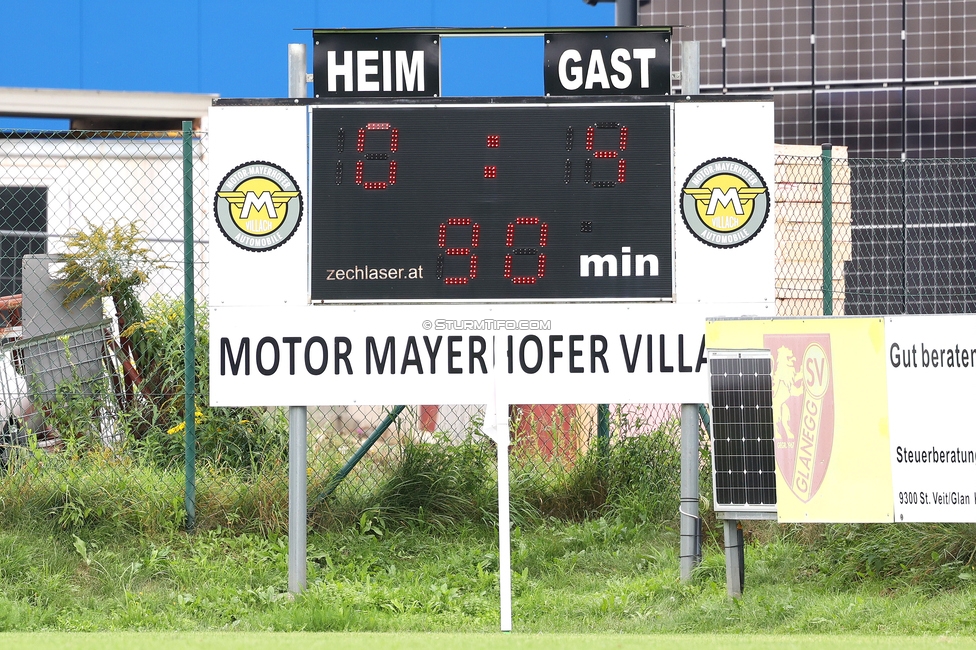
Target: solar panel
point(743, 452)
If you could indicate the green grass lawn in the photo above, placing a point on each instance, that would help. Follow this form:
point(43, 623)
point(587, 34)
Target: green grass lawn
point(90, 553)
point(601, 576)
point(427, 641)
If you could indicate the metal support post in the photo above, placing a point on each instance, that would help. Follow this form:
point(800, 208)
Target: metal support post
point(189, 335)
point(625, 13)
point(497, 428)
point(341, 475)
point(603, 433)
point(504, 533)
point(690, 67)
point(828, 231)
point(297, 415)
point(297, 497)
point(297, 70)
point(734, 558)
point(689, 490)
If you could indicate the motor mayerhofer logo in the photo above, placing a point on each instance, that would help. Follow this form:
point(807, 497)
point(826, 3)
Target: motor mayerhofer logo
point(258, 206)
point(725, 202)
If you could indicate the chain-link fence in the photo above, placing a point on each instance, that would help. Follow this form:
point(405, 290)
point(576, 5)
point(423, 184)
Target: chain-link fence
point(91, 355)
point(886, 237)
point(92, 346)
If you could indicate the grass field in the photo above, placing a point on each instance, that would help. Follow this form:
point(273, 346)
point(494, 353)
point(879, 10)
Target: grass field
point(498, 641)
point(572, 578)
point(418, 567)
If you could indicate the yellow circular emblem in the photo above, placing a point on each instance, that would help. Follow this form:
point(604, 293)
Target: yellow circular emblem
point(263, 216)
point(724, 202)
point(258, 206)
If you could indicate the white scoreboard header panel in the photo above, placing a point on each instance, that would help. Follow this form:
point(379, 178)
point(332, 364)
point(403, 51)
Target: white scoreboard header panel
point(452, 252)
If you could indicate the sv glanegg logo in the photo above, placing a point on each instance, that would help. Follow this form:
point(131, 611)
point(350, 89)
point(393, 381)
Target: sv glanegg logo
point(725, 202)
point(258, 206)
point(803, 409)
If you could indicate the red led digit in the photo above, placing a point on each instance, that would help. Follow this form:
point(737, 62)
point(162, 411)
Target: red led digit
point(606, 154)
point(391, 175)
point(458, 251)
point(493, 142)
point(508, 271)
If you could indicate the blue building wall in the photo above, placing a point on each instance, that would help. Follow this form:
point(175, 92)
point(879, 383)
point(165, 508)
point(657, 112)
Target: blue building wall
point(238, 48)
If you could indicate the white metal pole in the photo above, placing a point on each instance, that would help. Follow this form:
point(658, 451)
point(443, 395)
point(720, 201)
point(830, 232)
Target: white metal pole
point(496, 428)
point(297, 415)
point(504, 534)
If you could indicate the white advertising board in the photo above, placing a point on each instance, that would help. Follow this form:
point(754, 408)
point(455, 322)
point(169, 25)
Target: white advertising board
point(461, 354)
point(931, 378)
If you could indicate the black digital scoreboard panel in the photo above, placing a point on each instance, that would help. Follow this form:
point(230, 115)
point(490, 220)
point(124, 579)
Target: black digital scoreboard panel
point(491, 202)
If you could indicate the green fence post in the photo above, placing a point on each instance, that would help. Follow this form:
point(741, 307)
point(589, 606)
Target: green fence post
point(189, 331)
point(362, 451)
point(828, 232)
point(603, 431)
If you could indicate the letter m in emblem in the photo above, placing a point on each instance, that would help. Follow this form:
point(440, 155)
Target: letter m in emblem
point(726, 197)
point(263, 201)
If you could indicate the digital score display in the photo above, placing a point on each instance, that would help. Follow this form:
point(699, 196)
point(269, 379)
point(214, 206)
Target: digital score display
point(491, 203)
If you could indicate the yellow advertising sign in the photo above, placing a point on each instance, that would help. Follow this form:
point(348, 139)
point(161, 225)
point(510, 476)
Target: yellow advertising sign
point(830, 413)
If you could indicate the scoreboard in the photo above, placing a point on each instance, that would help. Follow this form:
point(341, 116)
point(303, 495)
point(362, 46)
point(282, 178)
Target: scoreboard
point(462, 250)
point(491, 202)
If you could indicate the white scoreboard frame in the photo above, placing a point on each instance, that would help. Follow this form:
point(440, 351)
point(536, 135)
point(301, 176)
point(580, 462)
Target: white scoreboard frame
point(263, 298)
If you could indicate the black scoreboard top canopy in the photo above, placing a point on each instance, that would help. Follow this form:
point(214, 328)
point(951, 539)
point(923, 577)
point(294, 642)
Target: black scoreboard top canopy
point(482, 202)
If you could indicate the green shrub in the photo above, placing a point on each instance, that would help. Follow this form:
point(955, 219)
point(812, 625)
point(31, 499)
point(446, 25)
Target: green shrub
point(231, 438)
point(450, 482)
point(931, 556)
point(644, 476)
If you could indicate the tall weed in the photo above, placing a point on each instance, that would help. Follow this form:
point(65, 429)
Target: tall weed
point(243, 439)
point(929, 556)
point(446, 482)
point(644, 476)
